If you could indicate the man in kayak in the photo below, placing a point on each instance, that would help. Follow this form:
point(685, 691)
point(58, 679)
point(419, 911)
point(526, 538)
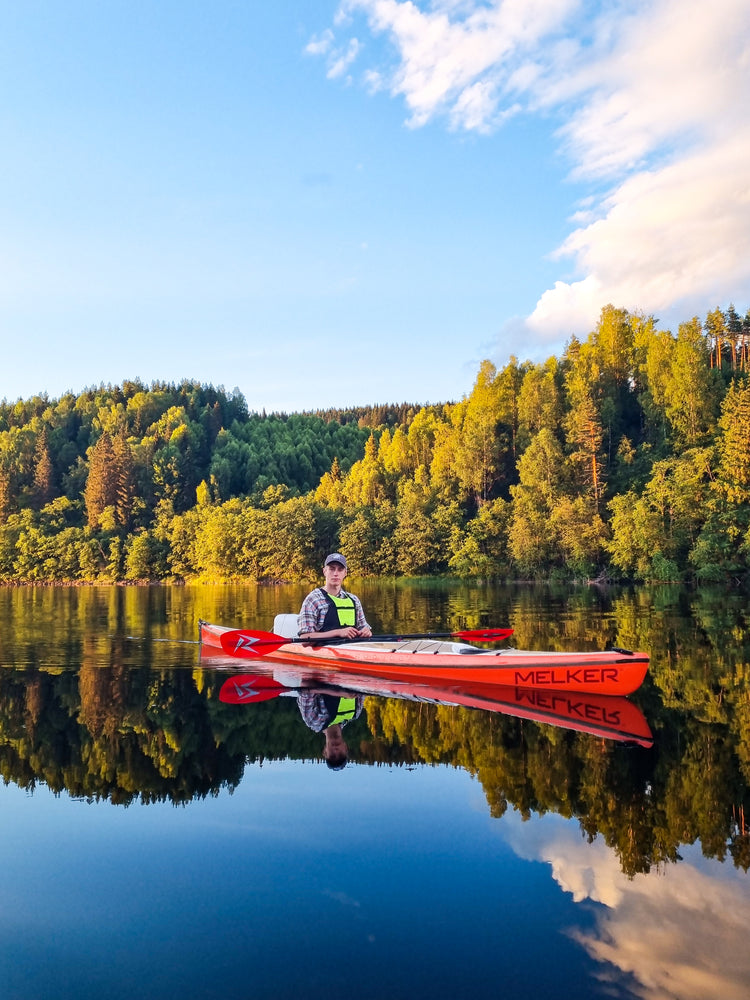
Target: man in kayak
point(329, 612)
point(328, 712)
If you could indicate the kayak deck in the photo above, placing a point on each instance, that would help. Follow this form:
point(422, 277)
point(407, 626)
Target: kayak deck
point(611, 672)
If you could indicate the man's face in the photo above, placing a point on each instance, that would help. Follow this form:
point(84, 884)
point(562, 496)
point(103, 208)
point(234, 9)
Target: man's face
point(334, 573)
point(335, 747)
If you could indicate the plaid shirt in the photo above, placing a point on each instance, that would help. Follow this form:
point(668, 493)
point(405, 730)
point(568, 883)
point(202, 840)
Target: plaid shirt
point(317, 714)
point(315, 607)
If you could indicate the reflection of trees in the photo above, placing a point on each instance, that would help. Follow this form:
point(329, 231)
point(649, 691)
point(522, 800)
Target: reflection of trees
point(643, 803)
point(129, 725)
point(141, 734)
point(107, 734)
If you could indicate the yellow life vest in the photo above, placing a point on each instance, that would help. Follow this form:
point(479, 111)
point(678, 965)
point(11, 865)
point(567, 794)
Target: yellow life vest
point(341, 612)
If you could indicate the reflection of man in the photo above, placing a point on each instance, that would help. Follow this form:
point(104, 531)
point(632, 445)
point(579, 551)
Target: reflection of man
point(328, 714)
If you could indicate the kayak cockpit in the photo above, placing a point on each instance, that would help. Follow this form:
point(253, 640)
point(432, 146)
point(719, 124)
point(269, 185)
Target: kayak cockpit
point(423, 646)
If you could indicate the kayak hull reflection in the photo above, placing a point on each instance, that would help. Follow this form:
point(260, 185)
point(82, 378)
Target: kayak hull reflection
point(610, 717)
point(612, 672)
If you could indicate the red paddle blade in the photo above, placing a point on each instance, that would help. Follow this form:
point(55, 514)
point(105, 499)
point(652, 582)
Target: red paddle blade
point(246, 688)
point(484, 633)
point(250, 645)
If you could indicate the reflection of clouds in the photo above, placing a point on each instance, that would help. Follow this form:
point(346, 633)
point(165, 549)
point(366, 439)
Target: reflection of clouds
point(681, 933)
point(586, 871)
point(341, 897)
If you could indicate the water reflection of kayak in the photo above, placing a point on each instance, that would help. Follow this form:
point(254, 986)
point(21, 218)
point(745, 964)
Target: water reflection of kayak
point(614, 718)
point(611, 672)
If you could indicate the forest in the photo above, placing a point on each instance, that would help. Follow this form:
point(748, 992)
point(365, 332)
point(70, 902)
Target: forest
point(628, 457)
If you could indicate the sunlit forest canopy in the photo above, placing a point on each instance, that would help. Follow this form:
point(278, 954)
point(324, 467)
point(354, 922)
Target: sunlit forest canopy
point(626, 457)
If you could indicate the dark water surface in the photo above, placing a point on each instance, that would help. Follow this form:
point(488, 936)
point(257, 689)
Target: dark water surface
point(159, 842)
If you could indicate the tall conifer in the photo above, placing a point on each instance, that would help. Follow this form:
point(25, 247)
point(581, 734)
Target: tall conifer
point(125, 473)
point(43, 470)
point(102, 480)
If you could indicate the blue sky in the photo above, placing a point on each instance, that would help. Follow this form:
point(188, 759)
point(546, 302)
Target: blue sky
point(326, 204)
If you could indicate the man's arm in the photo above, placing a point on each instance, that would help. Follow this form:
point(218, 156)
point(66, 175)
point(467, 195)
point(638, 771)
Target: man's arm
point(360, 621)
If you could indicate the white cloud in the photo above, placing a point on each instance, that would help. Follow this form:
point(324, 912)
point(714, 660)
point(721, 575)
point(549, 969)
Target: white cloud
point(455, 57)
point(319, 45)
point(673, 73)
point(338, 58)
point(670, 236)
point(653, 93)
point(341, 60)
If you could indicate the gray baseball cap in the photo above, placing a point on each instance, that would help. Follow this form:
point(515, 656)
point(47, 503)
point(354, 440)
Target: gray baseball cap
point(336, 557)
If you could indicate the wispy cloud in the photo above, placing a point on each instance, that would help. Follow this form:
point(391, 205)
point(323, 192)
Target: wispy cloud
point(338, 57)
point(653, 97)
point(456, 58)
point(320, 45)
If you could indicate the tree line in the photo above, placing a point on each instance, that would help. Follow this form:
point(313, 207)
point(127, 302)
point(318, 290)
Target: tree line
point(626, 457)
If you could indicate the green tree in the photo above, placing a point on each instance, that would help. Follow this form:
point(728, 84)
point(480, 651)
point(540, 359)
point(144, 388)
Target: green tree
point(367, 538)
point(734, 444)
point(477, 449)
point(226, 539)
point(140, 557)
point(723, 546)
point(422, 434)
point(366, 482)
point(580, 536)
point(419, 537)
point(299, 533)
point(693, 391)
point(539, 400)
point(330, 489)
point(543, 479)
point(652, 534)
point(509, 384)
point(480, 549)
point(655, 350)
point(735, 333)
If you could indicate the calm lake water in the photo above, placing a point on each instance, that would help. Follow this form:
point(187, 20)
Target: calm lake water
point(160, 842)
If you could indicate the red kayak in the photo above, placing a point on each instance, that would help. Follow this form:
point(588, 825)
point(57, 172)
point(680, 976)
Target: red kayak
point(609, 717)
point(428, 661)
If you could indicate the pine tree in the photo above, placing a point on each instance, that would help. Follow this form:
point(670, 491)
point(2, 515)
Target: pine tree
point(102, 480)
point(6, 494)
point(716, 331)
point(585, 434)
point(734, 444)
point(43, 471)
point(734, 332)
point(125, 473)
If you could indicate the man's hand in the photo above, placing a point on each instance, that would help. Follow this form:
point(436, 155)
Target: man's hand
point(347, 633)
